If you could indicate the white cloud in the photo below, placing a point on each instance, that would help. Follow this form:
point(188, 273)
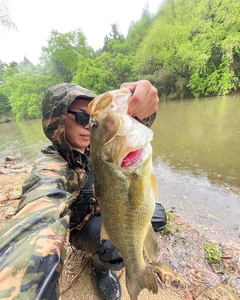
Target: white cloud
point(36, 19)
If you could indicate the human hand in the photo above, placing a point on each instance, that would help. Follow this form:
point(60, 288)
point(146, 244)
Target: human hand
point(144, 101)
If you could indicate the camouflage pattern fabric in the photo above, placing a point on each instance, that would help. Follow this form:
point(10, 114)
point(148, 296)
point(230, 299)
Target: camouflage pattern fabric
point(33, 243)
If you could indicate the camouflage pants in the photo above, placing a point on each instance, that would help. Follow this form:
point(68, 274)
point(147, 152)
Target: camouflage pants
point(106, 254)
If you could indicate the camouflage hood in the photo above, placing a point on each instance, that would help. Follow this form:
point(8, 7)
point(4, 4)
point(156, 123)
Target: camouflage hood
point(56, 101)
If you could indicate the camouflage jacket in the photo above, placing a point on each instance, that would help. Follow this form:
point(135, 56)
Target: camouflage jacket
point(33, 243)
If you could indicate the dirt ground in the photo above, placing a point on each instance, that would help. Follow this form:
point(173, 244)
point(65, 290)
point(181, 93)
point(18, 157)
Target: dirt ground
point(182, 268)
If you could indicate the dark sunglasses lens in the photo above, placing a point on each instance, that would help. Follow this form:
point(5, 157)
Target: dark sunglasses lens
point(82, 118)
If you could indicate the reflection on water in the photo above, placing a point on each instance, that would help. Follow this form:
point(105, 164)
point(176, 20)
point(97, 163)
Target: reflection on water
point(196, 159)
point(22, 138)
point(202, 136)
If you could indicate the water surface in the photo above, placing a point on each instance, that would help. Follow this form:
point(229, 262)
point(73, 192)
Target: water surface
point(196, 151)
point(196, 159)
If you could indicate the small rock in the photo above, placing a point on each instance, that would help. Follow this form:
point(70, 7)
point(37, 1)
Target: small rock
point(14, 195)
point(13, 158)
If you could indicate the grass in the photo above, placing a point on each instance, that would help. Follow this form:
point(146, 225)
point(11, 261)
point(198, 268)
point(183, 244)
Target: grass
point(213, 252)
point(171, 227)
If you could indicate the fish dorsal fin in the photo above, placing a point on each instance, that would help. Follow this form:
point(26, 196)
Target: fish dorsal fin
point(150, 244)
point(99, 103)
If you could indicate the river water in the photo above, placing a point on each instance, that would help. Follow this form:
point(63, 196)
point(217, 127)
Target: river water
point(196, 158)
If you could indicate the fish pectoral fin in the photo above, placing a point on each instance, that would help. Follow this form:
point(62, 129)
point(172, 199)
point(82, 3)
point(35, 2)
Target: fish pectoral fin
point(136, 191)
point(154, 187)
point(150, 244)
point(103, 233)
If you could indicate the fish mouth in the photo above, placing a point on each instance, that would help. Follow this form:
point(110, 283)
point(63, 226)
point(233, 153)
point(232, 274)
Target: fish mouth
point(131, 159)
point(136, 157)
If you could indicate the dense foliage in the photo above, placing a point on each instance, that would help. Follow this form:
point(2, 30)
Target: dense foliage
point(196, 43)
point(187, 49)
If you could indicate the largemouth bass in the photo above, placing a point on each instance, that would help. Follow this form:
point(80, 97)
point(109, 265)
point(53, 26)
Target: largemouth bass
point(125, 186)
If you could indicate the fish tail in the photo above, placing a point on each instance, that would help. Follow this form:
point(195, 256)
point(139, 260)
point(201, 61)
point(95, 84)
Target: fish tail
point(144, 279)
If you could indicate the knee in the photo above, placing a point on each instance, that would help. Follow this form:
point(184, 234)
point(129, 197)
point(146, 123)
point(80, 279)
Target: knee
point(88, 238)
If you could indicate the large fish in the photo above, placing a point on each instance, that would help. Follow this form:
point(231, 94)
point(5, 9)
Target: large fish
point(125, 186)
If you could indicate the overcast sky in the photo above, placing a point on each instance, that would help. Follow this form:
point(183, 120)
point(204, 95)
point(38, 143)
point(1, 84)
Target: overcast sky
point(36, 19)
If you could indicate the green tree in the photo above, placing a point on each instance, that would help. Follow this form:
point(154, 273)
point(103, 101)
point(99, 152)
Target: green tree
point(114, 40)
point(2, 72)
point(5, 107)
point(27, 66)
point(104, 72)
point(11, 69)
point(96, 74)
point(60, 56)
point(218, 75)
point(196, 40)
point(25, 93)
point(138, 30)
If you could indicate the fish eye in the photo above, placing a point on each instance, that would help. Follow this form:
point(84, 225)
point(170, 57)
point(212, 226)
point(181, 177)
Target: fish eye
point(94, 125)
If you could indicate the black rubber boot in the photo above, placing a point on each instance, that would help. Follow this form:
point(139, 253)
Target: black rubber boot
point(107, 283)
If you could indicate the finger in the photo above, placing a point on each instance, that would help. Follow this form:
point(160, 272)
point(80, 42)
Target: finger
point(143, 114)
point(146, 106)
point(144, 101)
point(137, 105)
point(129, 85)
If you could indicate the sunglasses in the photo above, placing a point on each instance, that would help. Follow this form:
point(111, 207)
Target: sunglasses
point(82, 118)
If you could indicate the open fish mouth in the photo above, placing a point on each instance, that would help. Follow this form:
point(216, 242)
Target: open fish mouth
point(131, 159)
point(135, 158)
